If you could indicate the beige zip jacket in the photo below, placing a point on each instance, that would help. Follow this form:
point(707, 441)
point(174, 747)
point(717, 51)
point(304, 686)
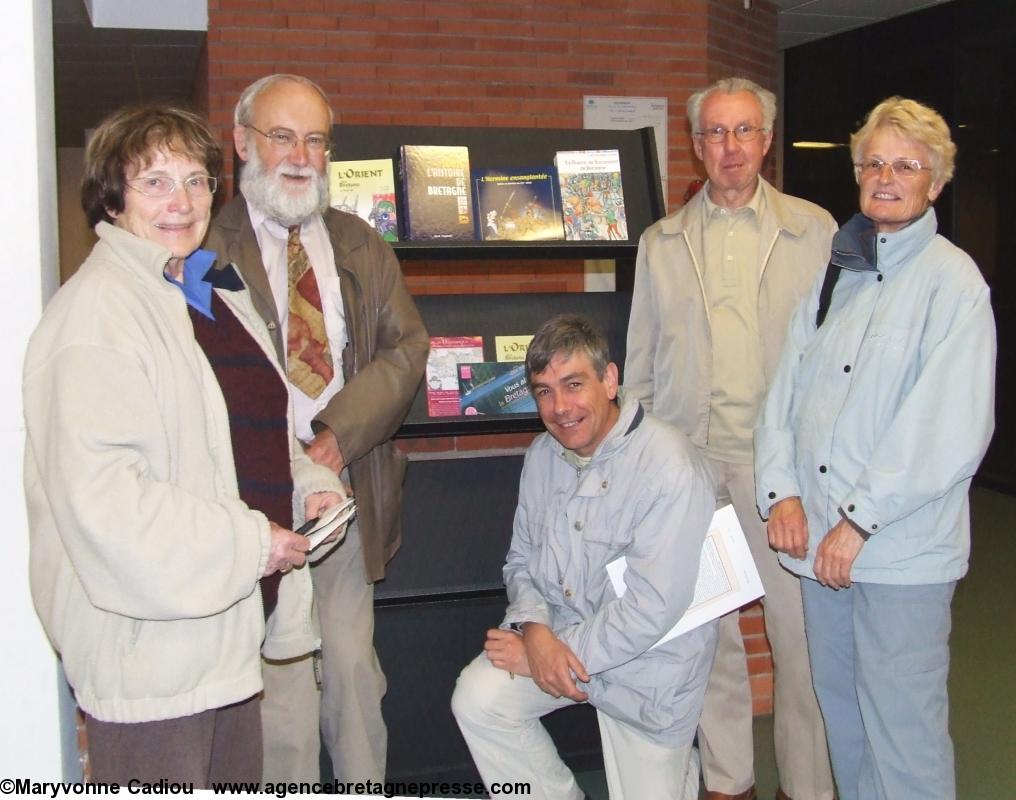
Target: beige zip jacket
point(144, 563)
point(668, 365)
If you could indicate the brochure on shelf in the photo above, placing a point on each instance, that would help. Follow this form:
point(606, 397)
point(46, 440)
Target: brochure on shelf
point(512, 348)
point(494, 387)
point(446, 353)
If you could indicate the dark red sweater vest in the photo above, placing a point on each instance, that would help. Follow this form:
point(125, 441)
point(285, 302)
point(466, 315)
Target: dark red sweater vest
point(258, 403)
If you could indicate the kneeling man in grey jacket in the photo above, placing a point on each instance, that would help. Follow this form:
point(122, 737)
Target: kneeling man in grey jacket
point(606, 480)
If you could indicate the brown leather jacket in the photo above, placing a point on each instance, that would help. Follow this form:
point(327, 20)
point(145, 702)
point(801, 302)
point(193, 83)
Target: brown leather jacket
point(383, 363)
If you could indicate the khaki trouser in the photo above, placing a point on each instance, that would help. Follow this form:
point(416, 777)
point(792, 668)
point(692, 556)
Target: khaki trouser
point(348, 705)
point(725, 729)
point(500, 720)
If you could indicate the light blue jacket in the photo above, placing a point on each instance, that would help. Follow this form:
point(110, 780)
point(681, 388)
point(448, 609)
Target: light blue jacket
point(883, 413)
point(647, 496)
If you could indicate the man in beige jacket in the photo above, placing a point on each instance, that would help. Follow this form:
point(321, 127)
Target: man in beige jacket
point(715, 285)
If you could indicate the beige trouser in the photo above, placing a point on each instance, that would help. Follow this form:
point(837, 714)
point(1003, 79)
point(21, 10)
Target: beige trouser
point(500, 720)
point(348, 704)
point(725, 733)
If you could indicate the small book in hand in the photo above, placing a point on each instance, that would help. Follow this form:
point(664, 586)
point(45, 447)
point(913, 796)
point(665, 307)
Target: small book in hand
point(320, 528)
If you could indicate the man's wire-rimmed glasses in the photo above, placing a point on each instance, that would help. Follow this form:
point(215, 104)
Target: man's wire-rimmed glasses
point(285, 140)
point(743, 133)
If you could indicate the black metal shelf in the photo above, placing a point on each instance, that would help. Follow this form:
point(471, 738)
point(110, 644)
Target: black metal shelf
point(419, 251)
point(490, 315)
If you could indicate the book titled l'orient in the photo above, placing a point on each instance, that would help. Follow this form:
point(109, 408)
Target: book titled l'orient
point(592, 198)
point(438, 201)
point(366, 188)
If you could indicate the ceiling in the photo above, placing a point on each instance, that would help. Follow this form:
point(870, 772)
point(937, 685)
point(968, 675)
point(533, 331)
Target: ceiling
point(801, 21)
point(100, 69)
point(97, 70)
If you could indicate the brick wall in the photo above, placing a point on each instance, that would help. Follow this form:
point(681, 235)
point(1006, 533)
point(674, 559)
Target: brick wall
point(510, 63)
point(504, 64)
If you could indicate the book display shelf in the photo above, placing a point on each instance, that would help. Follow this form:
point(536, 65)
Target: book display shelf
point(511, 314)
point(444, 587)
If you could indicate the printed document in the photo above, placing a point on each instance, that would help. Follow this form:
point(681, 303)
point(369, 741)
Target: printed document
point(727, 577)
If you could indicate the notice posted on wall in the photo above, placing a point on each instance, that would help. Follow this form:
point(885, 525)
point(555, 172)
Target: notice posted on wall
point(628, 114)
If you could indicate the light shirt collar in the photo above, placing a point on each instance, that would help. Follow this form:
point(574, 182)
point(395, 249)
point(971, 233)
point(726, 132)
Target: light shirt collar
point(756, 205)
point(259, 219)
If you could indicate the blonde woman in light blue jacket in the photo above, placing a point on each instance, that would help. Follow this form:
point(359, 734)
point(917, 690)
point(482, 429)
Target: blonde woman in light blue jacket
point(880, 413)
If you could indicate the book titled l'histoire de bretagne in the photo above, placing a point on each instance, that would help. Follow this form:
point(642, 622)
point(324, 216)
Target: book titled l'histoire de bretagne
point(438, 201)
point(366, 188)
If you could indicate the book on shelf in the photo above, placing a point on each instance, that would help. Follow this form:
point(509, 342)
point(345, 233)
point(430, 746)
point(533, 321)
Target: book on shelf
point(519, 204)
point(438, 201)
point(727, 576)
point(592, 198)
point(494, 387)
point(446, 353)
point(512, 348)
point(366, 188)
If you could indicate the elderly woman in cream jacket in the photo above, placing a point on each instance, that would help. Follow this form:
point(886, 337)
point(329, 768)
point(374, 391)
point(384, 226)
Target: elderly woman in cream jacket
point(161, 473)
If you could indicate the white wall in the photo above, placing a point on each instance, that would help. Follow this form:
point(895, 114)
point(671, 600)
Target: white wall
point(30, 741)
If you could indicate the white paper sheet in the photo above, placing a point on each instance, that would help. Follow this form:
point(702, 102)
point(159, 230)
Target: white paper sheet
point(727, 577)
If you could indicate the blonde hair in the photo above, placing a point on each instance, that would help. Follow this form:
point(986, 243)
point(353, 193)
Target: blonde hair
point(917, 122)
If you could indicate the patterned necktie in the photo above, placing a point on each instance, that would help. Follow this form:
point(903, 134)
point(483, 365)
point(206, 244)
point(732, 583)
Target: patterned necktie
point(308, 359)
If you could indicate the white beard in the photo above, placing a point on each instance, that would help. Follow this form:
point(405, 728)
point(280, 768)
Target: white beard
point(267, 191)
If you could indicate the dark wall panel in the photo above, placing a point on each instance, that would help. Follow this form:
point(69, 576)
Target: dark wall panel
point(954, 57)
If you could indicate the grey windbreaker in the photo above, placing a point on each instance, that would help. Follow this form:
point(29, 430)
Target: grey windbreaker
point(644, 495)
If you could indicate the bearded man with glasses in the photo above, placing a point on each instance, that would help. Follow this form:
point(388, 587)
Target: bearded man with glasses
point(354, 348)
point(715, 284)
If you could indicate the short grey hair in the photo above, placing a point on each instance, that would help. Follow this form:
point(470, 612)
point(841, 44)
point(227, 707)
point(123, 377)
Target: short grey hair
point(245, 105)
point(765, 98)
point(565, 335)
point(914, 121)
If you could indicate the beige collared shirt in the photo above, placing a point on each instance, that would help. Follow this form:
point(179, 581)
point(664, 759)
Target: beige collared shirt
point(732, 271)
point(272, 238)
